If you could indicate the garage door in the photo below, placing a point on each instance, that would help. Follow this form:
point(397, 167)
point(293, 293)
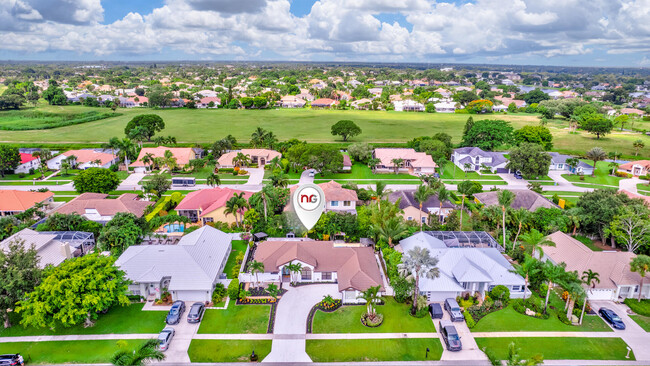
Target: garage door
point(598, 294)
point(140, 170)
point(503, 170)
point(190, 295)
point(438, 296)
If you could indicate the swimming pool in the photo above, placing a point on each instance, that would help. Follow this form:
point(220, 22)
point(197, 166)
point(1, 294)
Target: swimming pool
point(174, 228)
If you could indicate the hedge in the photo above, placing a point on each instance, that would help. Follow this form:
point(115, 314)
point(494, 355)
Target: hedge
point(159, 206)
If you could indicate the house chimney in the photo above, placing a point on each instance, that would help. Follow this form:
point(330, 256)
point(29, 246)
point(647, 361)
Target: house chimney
point(65, 250)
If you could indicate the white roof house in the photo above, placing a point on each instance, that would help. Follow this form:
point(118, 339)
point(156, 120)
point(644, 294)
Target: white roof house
point(50, 250)
point(189, 270)
point(472, 267)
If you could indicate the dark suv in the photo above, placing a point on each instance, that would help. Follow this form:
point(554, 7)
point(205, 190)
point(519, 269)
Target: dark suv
point(612, 318)
point(435, 310)
point(450, 336)
point(196, 312)
point(11, 359)
point(175, 313)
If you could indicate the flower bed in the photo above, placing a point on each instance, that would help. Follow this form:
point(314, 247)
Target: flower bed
point(372, 322)
point(325, 306)
point(271, 325)
point(262, 291)
point(256, 301)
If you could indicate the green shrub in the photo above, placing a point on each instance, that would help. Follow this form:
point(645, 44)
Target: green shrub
point(501, 293)
point(562, 317)
point(641, 308)
point(219, 293)
point(469, 320)
point(233, 289)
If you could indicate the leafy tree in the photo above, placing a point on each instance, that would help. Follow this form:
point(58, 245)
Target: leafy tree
point(469, 188)
point(346, 129)
point(464, 97)
point(96, 180)
point(416, 263)
point(535, 134)
point(535, 96)
point(54, 95)
point(360, 152)
point(146, 352)
point(159, 97)
point(641, 265)
point(479, 106)
point(20, 273)
point(597, 210)
point(638, 145)
point(488, 134)
point(597, 124)
point(74, 292)
point(631, 227)
point(9, 158)
point(530, 159)
point(324, 158)
point(150, 123)
point(468, 125)
point(124, 230)
point(430, 108)
point(596, 154)
point(158, 185)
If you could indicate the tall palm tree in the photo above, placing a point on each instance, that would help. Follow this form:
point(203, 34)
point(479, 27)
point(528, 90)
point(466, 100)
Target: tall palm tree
point(396, 164)
point(213, 180)
point(148, 159)
point(113, 144)
point(279, 180)
point(443, 195)
point(381, 191)
point(590, 278)
point(372, 163)
point(257, 137)
point(574, 214)
point(392, 229)
point(614, 165)
point(596, 154)
point(575, 290)
point(554, 274)
point(233, 206)
point(148, 351)
point(371, 296)
point(127, 150)
point(536, 241)
point(518, 217)
point(269, 140)
point(421, 195)
point(638, 144)
point(641, 265)
point(416, 263)
point(275, 164)
point(505, 199)
point(255, 268)
point(525, 270)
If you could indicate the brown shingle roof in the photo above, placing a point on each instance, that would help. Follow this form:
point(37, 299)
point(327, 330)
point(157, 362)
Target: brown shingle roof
point(524, 198)
point(128, 202)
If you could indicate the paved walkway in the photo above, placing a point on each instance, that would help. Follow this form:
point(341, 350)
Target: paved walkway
point(256, 176)
point(289, 339)
point(132, 180)
point(629, 184)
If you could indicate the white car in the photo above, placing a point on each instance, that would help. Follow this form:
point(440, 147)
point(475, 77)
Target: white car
point(165, 338)
point(312, 173)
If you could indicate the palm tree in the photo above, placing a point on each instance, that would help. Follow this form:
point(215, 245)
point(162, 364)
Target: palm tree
point(536, 241)
point(372, 163)
point(590, 278)
point(65, 166)
point(525, 270)
point(148, 351)
point(241, 159)
point(294, 268)
point(255, 268)
point(113, 144)
point(371, 296)
point(265, 193)
point(443, 195)
point(505, 199)
point(396, 164)
point(270, 139)
point(234, 206)
point(575, 290)
point(553, 274)
point(416, 263)
point(127, 149)
point(257, 137)
point(641, 265)
point(392, 229)
point(213, 180)
point(519, 216)
point(170, 160)
point(381, 191)
point(614, 165)
point(279, 180)
point(421, 195)
point(275, 164)
point(573, 214)
point(148, 159)
point(466, 168)
point(638, 144)
point(596, 154)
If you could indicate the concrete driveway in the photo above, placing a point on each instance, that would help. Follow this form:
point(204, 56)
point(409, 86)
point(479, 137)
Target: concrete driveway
point(305, 178)
point(291, 321)
point(629, 184)
point(177, 352)
point(470, 349)
point(513, 183)
point(256, 176)
point(633, 335)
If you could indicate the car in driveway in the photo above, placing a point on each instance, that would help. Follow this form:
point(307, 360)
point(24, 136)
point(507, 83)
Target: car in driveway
point(518, 175)
point(165, 338)
point(450, 336)
point(195, 315)
point(435, 310)
point(612, 318)
point(312, 173)
point(175, 313)
point(13, 359)
point(454, 310)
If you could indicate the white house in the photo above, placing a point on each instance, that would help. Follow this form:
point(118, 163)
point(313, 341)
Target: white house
point(292, 101)
point(558, 163)
point(189, 270)
point(477, 159)
point(445, 107)
point(27, 162)
point(408, 106)
point(84, 159)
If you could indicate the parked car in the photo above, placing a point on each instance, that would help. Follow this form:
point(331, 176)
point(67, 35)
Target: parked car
point(450, 336)
point(435, 310)
point(612, 318)
point(454, 310)
point(165, 338)
point(14, 359)
point(196, 312)
point(175, 313)
point(518, 175)
point(312, 173)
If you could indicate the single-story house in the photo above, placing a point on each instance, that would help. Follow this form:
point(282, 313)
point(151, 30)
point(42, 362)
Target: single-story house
point(261, 157)
point(51, 247)
point(205, 102)
point(13, 201)
point(99, 208)
point(324, 103)
point(353, 267)
point(84, 159)
point(337, 198)
point(183, 156)
point(363, 103)
point(558, 163)
point(305, 96)
point(430, 208)
point(209, 205)
point(413, 162)
point(445, 107)
point(292, 101)
point(629, 111)
point(27, 162)
point(524, 198)
point(477, 159)
point(617, 282)
point(408, 106)
point(636, 168)
point(189, 270)
point(464, 267)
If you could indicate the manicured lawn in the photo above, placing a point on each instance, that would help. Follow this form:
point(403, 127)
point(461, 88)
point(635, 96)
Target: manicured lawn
point(643, 321)
point(361, 350)
point(238, 246)
point(67, 352)
point(588, 243)
point(210, 350)
point(29, 177)
point(452, 171)
point(554, 348)
point(236, 319)
point(602, 176)
point(119, 320)
point(396, 319)
point(643, 189)
point(508, 320)
point(640, 307)
point(360, 173)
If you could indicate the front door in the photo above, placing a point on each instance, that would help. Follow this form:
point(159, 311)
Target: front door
point(286, 274)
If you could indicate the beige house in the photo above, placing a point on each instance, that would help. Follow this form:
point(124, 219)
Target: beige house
point(413, 162)
point(209, 205)
point(524, 198)
point(636, 168)
point(292, 101)
point(261, 157)
point(13, 201)
point(430, 209)
point(337, 198)
point(183, 156)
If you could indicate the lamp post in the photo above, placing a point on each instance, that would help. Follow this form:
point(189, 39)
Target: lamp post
point(426, 354)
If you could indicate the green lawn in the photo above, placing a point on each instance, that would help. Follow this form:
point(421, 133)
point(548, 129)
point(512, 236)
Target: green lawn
point(643, 321)
point(588, 243)
point(236, 319)
point(396, 319)
point(36, 175)
point(238, 246)
point(508, 320)
point(119, 320)
point(602, 176)
point(67, 352)
point(565, 348)
point(366, 350)
point(640, 307)
point(35, 120)
point(451, 171)
point(643, 188)
point(210, 350)
point(360, 173)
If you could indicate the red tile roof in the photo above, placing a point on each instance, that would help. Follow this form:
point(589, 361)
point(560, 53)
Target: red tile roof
point(12, 200)
point(127, 202)
point(26, 158)
point(208, 200)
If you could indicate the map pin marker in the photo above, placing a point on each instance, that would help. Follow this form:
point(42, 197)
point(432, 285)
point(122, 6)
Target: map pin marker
point(309, 203)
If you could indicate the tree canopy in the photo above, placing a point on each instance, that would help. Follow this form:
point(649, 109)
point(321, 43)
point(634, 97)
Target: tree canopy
point(346, 129)
point(9, 158)
point(149, 124)
point(98, 180)
point(530, 159)
point(20, 273)
point(535, 134)
point(488, 134)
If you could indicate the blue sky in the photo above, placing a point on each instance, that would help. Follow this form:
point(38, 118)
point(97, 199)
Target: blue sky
point(537, 32)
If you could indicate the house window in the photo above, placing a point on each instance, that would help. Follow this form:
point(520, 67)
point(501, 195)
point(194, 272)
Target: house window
point(491, 287)
point(409, 218)
point(516, 288)
point(326, 276)
point(424, 220)
point(305, 274)
point(208, 219)
point(347, 203)
point(350, 295)
point(136, 292)
point(560, 166)
point(335, 203)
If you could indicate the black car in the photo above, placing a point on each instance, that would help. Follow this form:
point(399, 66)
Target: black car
point(196, 312)
point(175, 313)
point(12, 359)
point(435, 310)
point(450, 336)
point(518, 175)
point(612, 318)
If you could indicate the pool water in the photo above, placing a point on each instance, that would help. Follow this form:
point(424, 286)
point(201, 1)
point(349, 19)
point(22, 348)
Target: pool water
point(174, 228)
